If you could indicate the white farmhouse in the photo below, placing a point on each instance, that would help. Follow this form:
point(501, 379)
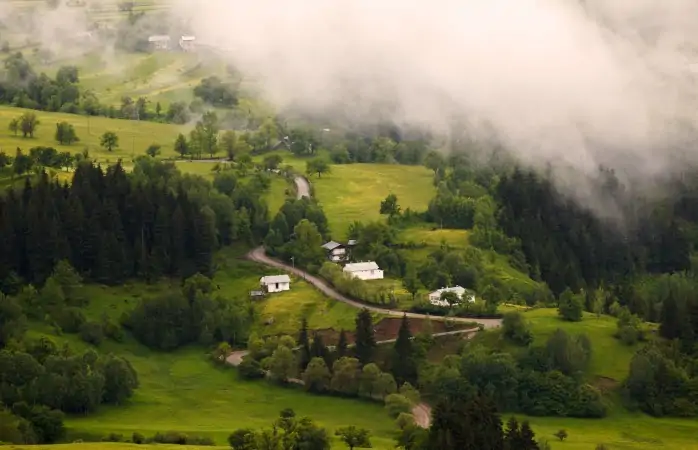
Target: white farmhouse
point(368, 270)
point(161, 42)
point(275, 283)
point(335, 251)
point(186, 43)
point(461, 292)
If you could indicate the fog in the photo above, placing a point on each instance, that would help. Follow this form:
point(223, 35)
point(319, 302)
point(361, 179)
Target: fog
point(559, 83)
point(577, 83)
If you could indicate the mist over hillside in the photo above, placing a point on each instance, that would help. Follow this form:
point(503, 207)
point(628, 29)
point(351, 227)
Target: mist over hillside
point(565, 84)
point(558, 82)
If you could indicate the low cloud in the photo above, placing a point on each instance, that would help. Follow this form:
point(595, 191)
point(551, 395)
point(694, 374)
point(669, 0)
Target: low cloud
point(575, 83)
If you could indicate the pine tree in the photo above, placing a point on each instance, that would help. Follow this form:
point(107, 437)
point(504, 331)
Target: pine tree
point(365, 340)
point(512, 435)
point(527, 437)
point(342, 344)
point(404, 367)
point(465, 424)
point(670, 326)
point(319, 350)
point(304, 344)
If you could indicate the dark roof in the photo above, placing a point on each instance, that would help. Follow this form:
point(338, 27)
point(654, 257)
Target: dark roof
point(331, 245)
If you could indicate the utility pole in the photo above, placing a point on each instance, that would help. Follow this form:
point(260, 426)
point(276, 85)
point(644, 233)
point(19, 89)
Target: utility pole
point(293, 262)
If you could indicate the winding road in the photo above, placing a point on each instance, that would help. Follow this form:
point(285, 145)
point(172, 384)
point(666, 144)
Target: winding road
point(422, 411)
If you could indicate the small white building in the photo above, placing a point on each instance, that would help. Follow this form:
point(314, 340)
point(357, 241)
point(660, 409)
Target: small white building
point(161, 42)
point(335, 251)
point(368, 270)
point(187, 43)
point(461, 292)
point(275, 283)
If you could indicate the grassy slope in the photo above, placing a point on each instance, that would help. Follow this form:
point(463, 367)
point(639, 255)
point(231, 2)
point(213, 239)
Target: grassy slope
point(111, 446)
point(182, 390)
point(236, 278)
point(134, 136)
point(354, 192)
point(430, 239)
point(610, 359)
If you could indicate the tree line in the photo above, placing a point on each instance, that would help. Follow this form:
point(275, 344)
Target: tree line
point(111, 225)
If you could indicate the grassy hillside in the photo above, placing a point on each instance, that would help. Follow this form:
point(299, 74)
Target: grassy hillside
point(134, 136)
point(610, 358)
point(609, 366)
point(354, 191)
point(184, 391)
point(236, 277)
point(428, 238)
point(110, 446)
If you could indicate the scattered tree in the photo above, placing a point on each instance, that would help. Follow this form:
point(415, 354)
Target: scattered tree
point(65, 133)
point(153, 150)
point(354, 437)
point(109, 140)
point(561, 435)
point(318, 166)
point(28, 123)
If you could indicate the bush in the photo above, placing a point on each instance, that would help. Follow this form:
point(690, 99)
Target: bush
point(92, 333)
point(137, 438)
point(69, 319)
point(250, 368)
point(516, 329)
point(397, 404)
point(113, 437)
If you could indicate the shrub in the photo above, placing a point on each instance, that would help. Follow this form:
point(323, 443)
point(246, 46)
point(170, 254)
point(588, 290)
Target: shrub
point(137, 438)
point(250, 368)
point(396, 404)
point(92, 333)
point(516, 329)
point(69, 319)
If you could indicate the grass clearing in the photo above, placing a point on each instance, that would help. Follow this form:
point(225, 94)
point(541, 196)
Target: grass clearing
point(619, 431)
point(288, 308)
point(354, 192)
point(610, 358)
point(134, 136)
point(111, 446)
point(183, 391)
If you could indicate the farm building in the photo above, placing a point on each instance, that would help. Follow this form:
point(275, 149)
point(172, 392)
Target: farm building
point(461, 292)
point(161, 42)
point(187, 43)
point(368, 270)
point(335, 251)
point(275, 283)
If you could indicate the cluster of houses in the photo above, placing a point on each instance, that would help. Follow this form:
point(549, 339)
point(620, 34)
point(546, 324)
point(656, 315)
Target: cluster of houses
point(164, 43)
point(363, 270)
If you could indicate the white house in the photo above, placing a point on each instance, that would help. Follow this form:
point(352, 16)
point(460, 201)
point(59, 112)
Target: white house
point(335, 251)
point(368, 270)
point(187, 43)
point(161, 42)
point(461, 292)
point(275, 283)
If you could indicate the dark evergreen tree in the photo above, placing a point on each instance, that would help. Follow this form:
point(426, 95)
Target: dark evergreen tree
point(670, 327)
point(404, 366)
point(365, 340)
point(342, 344)
point(466, 424)
point(304, 345)
point(319, 350)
